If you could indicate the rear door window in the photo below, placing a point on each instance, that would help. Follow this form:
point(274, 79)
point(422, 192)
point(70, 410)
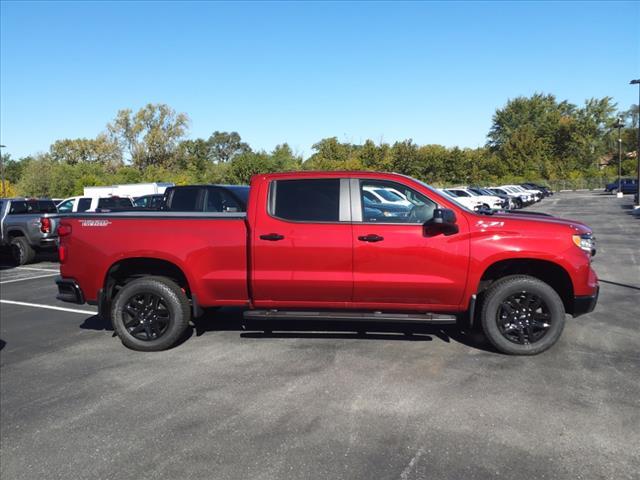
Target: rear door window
point(114, 202)
point(47, 206)
point(18, 207)
point(84, 204)
point(41, 206)
point(220, 200)
point(156, 201)
point(313, 200)
point(186, 199)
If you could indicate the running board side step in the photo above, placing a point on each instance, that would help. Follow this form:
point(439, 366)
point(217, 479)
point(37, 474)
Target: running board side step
point(433, 318)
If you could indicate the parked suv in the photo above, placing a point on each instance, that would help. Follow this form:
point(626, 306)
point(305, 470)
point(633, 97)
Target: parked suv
point(26, 227)
point(627, 185)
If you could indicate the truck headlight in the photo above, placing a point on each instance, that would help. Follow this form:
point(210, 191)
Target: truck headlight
point(586, 242)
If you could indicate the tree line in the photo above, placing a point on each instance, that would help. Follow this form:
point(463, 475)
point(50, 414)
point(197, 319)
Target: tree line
point(535, 138)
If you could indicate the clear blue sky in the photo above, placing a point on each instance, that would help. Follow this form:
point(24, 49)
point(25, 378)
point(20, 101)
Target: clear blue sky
point(299, 72)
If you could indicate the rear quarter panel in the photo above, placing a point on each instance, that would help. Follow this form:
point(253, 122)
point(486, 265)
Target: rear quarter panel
point(211, 252)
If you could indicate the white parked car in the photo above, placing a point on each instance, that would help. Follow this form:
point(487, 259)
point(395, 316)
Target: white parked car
point(507, 201)
point(90, 204)
point(525, 197)
point(488, 201)
point(470, 202)
point(513, 197)
point(536, 195)
point(386, 195)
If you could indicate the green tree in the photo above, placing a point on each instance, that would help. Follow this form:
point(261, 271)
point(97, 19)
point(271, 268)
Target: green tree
point(13, 168)
point(225, 146)
point(151, 135)
point(102, 150)
point(248, 164)
point(375, 157)
point(330, 154)
point(36, 178)
point(405, 159)
point(284, 159)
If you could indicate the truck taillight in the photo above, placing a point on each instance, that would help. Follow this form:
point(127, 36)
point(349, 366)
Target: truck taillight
point(64, 229)
point(45, 225)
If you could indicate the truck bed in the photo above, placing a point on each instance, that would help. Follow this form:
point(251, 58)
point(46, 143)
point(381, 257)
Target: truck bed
point(211, 248)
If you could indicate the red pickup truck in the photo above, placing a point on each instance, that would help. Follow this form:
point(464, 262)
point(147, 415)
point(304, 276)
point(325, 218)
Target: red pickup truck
point(309, 246)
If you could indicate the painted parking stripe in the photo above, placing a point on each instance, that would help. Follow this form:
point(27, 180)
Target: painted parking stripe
point(49, 307)
point(29, 278)
point(37, 269)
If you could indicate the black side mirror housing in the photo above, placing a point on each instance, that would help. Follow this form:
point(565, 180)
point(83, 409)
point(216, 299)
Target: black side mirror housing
point(443, 222)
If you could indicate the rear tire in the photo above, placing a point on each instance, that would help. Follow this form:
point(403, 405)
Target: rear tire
point(150, 314)
point(21, 252)
point(522, 315)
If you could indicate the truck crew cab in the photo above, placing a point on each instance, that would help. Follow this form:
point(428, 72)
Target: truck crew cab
point(307, 247)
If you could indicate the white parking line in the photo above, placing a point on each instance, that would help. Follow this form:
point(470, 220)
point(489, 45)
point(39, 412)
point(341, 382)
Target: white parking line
point(38, 269)
point(49, 307)
point(29, 278)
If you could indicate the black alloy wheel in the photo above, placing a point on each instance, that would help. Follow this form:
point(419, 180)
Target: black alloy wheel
point(523, 318)
point(146, 316)
point(150, 313)
point(522, 315)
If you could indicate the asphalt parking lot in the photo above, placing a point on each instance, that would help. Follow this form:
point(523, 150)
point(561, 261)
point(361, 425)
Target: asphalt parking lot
point(322, 401)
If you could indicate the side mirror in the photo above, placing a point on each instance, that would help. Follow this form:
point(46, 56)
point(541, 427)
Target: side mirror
point(443, 222)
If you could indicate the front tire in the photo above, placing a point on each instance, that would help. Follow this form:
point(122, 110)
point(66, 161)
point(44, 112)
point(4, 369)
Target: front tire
point(522, 315)
point(150, 314)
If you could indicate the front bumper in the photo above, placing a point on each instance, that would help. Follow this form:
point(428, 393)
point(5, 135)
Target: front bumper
point(585, 304)
point(69, 291)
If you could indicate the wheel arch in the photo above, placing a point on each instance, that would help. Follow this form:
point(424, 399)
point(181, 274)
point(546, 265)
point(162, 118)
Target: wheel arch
point(127, 269)
point(547, 271)
point(15, 232)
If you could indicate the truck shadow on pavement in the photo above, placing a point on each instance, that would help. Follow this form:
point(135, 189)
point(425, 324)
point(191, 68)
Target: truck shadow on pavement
point(231, 320)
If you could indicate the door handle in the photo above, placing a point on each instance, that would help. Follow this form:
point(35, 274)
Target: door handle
point(272, 237)
point(371, 238)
